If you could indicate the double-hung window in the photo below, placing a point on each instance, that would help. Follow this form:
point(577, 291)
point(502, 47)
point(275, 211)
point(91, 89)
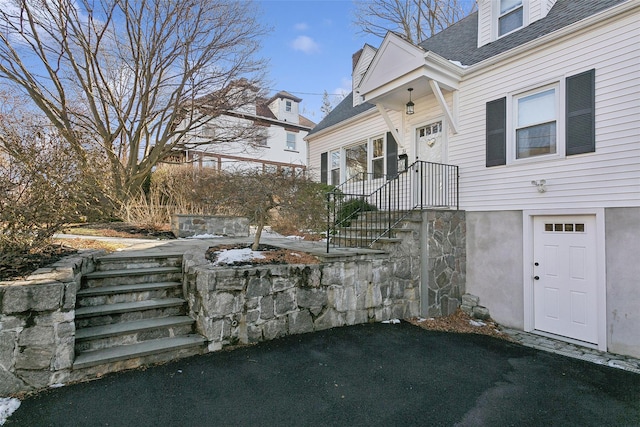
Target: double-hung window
point(377, 157)
point(356, 161)
point(510, 17)
point(291, 141)
point(288, 106)
point(556, 120)
point(335, 167)
point(536, 123)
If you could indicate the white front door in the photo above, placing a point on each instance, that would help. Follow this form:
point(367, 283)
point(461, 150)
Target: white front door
point(429, 176)
point(429, 142)
point(565, 276)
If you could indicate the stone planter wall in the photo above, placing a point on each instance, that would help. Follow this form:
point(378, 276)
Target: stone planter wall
point(37, 329)
point(252, 304)
point(193, 225)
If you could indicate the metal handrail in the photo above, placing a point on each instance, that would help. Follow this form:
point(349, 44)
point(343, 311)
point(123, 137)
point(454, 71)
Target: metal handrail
point(421, 185)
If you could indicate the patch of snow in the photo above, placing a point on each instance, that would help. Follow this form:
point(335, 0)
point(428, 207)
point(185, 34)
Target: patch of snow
point(56, 385)
point(421, 319)
point(392, 321)
point(8, 405)
point(266, 232)
point(230, 256)
point(295, 237)
point(205, 236)
point(295, 254)
point(476, 323)
point(459, 64)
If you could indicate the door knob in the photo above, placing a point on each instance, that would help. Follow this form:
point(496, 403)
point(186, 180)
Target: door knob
point(536, 277)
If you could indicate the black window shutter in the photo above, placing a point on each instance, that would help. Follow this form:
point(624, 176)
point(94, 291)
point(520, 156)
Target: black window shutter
point(324, 157)
point(580, 105)
point(392, 156)
point(497, 132)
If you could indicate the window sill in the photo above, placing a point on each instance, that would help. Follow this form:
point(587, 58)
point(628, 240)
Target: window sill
point(291, 151)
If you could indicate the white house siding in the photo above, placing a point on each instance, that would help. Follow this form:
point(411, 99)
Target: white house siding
point(242, 155)
point(610, 177)
point(366, 57)
point(484, 22)
point(538, 9)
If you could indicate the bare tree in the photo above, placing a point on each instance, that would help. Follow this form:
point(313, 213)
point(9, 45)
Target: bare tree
point(135, 75)
point(327, 105)
point(416, 20)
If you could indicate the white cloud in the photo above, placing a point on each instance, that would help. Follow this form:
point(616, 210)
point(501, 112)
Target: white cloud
point(301, 26)
point(305, 44)
point(345, 87)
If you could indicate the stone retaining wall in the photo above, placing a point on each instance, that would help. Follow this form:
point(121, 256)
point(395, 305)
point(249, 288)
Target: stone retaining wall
point(252, 304)
point(193, 225)
point(37, 330)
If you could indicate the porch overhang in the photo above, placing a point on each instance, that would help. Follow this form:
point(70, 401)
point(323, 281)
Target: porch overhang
point(430, 74)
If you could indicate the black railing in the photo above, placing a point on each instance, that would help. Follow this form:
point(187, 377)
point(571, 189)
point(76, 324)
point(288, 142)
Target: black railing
point(367, 207)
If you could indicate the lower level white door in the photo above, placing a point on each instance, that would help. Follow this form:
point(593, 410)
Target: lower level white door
point(565, 276)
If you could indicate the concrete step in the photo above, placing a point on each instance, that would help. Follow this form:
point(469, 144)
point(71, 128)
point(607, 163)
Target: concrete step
point(119, 289)
point(132, 276)
point(127, 293)
point(101, 337)
point(97, 332)
point(125, 307)
point(123, 261)
point(146, 348)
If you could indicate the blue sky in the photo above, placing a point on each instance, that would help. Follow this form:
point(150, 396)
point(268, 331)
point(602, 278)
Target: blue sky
point(310, 48)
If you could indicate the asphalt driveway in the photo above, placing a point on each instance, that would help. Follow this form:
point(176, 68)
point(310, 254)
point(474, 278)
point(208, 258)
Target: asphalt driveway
point(374, 375)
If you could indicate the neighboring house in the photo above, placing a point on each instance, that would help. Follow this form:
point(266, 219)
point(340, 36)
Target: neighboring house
point(274, 138)
point(538, 104)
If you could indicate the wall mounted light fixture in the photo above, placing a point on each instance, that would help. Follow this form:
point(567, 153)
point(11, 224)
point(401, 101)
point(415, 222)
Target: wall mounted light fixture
point(410, 104)
point(540, 184)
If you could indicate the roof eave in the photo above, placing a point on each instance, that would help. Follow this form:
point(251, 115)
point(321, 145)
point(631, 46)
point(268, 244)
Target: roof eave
point(333, 127)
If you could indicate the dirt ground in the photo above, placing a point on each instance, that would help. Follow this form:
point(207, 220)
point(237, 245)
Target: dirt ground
point(460, 322)
point(21, 265)
point(271, 254)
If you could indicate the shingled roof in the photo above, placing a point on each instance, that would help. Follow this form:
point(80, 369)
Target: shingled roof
point(343, 111)
point(459, 42)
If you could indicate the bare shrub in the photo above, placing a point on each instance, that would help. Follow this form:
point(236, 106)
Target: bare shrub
point(44, 183)
point(262, 197)
point(290, 203)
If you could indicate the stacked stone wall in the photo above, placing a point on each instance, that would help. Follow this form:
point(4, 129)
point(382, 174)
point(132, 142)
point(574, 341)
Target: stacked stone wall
point(193, 225)
point(446, 259)
point(252, 304)
point(37, 330)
